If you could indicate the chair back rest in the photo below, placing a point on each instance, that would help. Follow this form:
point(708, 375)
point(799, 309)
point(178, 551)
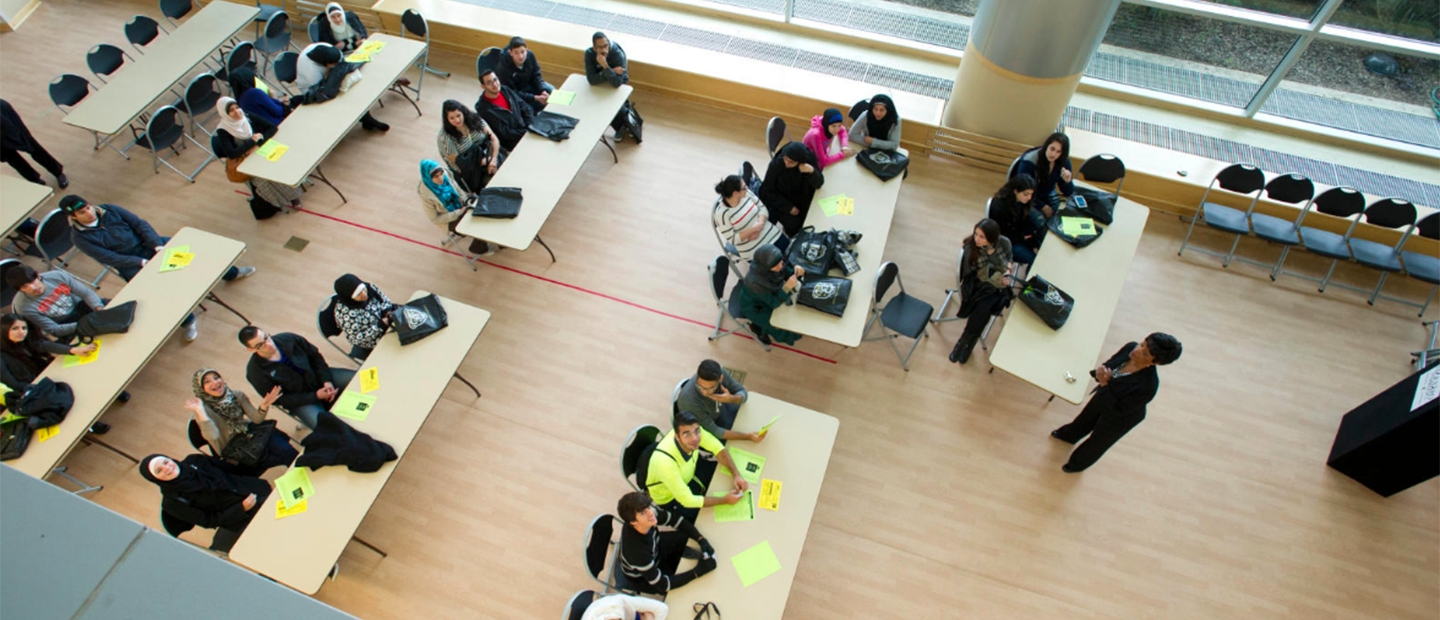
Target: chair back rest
point(642, 437)
point(68, 89)
point(239, 56)
point(719, 274)
point(1015, 165)
point(104, 59)
point(1429, 226)
point(1240, 178)
point(284, 65)
point(1390, 213)
point(277, 28)
point(197, 439)
point(1340, 202)
point(325, 319)
point(53, 236)
point(162, 130)
point(959, 266)
point(775, 133)
point(313, 29)
point(215, 145)
point(7, 294)
point(598, 540)
point(575, 609)
point(202, 94)
point(859, 108)
point(884, 278)
point(175, 9)
point(414, 23)
point(1291, 187)
point(1103, 168)
point(488, 59)
point(675, 397)
point(141, 30)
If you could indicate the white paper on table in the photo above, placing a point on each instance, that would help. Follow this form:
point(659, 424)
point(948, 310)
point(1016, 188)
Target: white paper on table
point(1428, 388)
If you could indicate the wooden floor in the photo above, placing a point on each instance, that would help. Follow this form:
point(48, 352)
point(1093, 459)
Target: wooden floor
point(944, 498)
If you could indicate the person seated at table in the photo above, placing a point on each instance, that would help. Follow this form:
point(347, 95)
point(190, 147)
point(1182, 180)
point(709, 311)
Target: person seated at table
point(321, 71)
point(671, 476)
point(522, 73)
point(225, 417)
point(469, 148)
point(307, 384)
point(237, 136)
point(789, 186)
point(254, 101)
point(741, 219)
point(445, 203)
point(605, 62)
point(767, 286)
point(361, 313)
point(1049, 165)
point(198, 491)
point(122, 241)
point(878, 127)
point(828, 139)
point(341, 28)
point(714, 397)
point(1012, 208)
point(26, 353)
point(1128, 382)
point(626, 607)
point(503, 110)
point(650, 558)
point(984, 284)
point(54, 301)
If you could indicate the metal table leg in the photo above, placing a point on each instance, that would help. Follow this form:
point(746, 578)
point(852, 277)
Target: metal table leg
point(320, 174)
point(547, 248)
point(216, 299)
point(468, 384)
point(84, 488)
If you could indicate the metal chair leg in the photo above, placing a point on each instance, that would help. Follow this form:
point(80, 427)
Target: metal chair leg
point(216, 299)
point(84, 488)
point(1199, 213)
point(950, 293)
point(1279, 263)
point(1326, 282)
point(1231, 255)
point(1378, 285)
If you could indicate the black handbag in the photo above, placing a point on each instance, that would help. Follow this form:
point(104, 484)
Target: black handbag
point(1057, 226)
point(112, 320)
point(885, 164)
point(628, 120)
point(501, 203)
point(811, 251)
point(249, 448)
point(474, 171)
point(826, 294)
point(14, 438)
point(1051, 304)
point(45, 403)
point(554, 126)
point(418, 319)
point(1094, 204)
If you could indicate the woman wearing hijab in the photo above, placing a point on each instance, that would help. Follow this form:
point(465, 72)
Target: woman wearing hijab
point(828, 138)
point(1011, 208)
point(360, 313)
point(626, 607)
point(445, 203)
point(461, 132)
point(223, 414)
point(1049, 165)
point(789, 186)
point(237, 136)
point(984, 282)
point(199, 492)
point(341, 28)
point(766, 287)
point(878, 127)
point(322, 72)
point(254, 101)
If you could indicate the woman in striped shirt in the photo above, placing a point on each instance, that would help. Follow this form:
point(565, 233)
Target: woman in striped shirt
point(462, 132)
point(741, 219)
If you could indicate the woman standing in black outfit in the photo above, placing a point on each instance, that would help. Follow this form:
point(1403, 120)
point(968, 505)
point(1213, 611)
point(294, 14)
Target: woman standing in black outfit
point(1128, 382)
point(789, 186)
point(197, 491)
point(984, 283)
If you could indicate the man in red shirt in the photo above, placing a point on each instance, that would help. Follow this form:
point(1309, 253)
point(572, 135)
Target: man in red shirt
point(504, 110)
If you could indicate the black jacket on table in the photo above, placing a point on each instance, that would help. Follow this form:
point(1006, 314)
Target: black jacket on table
point(329, 86)
point(509, 125)
point(1126, 397)
point(525, 79)
point(229, 147)
point(786, 188)
point(215, 508)
point(300, 372)
point(639, 553)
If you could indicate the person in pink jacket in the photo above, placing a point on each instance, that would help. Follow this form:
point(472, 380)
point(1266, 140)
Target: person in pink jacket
point(828, 138)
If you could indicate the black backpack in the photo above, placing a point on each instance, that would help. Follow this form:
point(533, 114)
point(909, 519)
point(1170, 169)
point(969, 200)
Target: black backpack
point(628, 120)
point(642, 465)
point(811, 251)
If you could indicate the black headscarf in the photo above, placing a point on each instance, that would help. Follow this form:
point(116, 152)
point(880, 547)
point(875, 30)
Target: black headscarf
point(191, 479)
point(760, 279)
point(325, 55)
point(880, 129)
point(345, 291)
point(797, 151)
point(241, 80)
point(831, 115)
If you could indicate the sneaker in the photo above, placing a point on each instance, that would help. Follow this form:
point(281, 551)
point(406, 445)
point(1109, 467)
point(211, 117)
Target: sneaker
point(99, 428)
point(123, 398)
point(619, 135)
point(245, 272)
point(192, 331)
point(62, 181)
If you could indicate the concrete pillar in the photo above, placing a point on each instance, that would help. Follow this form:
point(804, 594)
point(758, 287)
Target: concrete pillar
point(1022, 64)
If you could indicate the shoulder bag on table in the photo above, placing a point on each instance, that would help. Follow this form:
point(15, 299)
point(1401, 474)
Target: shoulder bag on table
point(885, 164)
point(501, 203)
point(418, 319)
point(1047, 301)
point(1056, 224)
point(825, 293)
point(554, 126)
point(112, 320)
point(1095, 204)
point(811, 251)
point(707, 611)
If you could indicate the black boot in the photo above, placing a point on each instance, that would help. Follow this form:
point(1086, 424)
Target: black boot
point(966, 346)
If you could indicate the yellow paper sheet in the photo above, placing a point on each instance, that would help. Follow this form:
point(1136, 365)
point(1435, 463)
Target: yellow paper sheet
point(770, 494)
point(755, 563)
point(81, 360)
point(372, 46)
point(360, 56)
point(172, 261)
point(47, 432)
point(294, 487)
point(281, 511)
point(1077, 226)
point(271, 150)
point(369, 380)
point(846, 206)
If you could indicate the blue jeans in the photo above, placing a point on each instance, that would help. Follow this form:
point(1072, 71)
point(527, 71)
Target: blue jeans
point(309, 414)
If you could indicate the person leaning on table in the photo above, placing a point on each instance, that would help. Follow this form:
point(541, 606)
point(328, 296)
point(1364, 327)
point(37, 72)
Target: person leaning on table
point(307, 384)
point(321, 70)
point(671, 477)
point(25, 355)
point(767, 286)
point(789, 186)
point(1128, 382)
point(650, 558)
point(714, 397)
point(1049, 165)
point(361, 311)
point(626, 607)
point(54, 301)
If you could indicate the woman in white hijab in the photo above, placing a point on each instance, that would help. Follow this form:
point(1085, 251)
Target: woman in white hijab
point(237, 136)
point(342, 28)
point(626, 607)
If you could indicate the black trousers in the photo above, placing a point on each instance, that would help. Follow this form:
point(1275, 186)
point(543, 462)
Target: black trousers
point(40, 155)
point(1103, 425)
point(672, 550)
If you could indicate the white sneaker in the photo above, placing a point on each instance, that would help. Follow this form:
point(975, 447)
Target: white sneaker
point(245, 272)
point(192, 331)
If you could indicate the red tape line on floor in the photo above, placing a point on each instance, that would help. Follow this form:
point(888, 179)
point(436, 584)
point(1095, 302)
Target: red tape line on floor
point(559, 283)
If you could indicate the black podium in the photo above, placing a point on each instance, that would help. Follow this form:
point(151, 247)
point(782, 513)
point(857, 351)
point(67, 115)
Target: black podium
point(1385, 445)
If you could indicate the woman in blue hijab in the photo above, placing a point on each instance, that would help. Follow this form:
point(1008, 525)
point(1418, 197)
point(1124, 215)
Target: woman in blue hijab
point(445, 203)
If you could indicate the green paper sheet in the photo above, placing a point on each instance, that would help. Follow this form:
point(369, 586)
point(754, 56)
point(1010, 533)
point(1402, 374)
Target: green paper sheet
point(831, 205)
point(743, 510)
point(562, 97)
point(750, 464)
point(166, 265)
point(766, 428)
point(294, 487)
point(755, 563)
point(271, 150)
point(353, 405)
point(1077, 226)
point(264, 88)
point(81, 360)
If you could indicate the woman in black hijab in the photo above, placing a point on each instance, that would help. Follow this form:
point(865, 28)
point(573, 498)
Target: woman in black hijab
point(197, 491)
point(789, 186)
point(766, 287)
point(879, 126)
point(360, 312)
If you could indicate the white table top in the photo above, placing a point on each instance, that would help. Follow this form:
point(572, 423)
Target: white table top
point(18, 198)
point(166, 61)
point(299, 550)
point(797, 452)
point(312, 131)
point(543, 169)
point(874, 208)
point(164, 301)
point(1094, 276)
